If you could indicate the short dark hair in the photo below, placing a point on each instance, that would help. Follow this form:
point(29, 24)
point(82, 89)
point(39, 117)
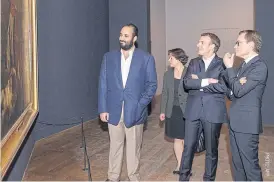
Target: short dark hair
point(134, 28)
point(135, 31)
point(179, 54)
point(253, 36)
point(214, 40)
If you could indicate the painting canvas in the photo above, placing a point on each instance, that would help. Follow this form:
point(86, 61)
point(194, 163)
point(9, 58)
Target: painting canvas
point(18, 75)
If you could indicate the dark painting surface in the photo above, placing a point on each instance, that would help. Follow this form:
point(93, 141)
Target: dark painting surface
point(15, 62)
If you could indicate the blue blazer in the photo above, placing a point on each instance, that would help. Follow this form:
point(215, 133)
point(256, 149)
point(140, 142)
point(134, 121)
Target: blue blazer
point(139, 90)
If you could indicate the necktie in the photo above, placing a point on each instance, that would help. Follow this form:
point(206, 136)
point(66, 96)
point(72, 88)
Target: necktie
point(241, 68)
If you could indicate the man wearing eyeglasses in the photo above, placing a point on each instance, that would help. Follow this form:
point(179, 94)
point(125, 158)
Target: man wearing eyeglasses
point(247, 85)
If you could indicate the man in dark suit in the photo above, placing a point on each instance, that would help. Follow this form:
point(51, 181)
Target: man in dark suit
point(205, 105)
point(127, 83)
point(246, 86)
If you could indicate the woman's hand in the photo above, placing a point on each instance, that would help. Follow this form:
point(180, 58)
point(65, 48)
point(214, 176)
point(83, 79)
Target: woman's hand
point(162, 117)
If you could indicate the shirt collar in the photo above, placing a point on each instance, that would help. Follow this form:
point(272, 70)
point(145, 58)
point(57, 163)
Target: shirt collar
point(209, 59)
point(130, 53)
point(251, 57)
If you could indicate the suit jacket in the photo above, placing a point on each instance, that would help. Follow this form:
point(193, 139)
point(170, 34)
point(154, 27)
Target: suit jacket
point(212, 98)
point(140, 87)
point(168, 93)
point(245, 109)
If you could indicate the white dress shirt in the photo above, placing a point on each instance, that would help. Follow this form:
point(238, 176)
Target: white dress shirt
point(249, 59)
point(207, 62)
point(125, 66)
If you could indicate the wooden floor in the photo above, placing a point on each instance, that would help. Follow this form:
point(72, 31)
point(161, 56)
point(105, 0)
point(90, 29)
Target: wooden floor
point(60, 158)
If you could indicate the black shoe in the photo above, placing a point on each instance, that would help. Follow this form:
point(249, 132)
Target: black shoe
point(176, 172)
point(109, 180)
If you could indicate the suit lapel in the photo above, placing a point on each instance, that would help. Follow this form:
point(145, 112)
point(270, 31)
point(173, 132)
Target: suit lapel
point(202, 65)
point(201, 72)
point(213, 62)
point(119, 70)
point(171, 79)
point(184, 72)
point(243, 69)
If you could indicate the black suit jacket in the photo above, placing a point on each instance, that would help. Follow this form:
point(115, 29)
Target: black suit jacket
point(212, 98)
point(245, 110)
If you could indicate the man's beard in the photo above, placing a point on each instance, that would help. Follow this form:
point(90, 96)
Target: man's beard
point(126, 46)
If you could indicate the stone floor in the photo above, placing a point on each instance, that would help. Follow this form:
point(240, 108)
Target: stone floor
point(59, 157)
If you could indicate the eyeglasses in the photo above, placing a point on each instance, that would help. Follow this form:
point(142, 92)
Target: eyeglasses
point(239, 42)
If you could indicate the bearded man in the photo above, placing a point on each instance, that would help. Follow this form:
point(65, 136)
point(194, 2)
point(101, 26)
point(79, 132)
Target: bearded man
point(127, 84)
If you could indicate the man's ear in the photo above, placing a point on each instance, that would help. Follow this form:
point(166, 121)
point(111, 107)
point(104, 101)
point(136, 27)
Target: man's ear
point(135, 39)
point(213, 46)
point(252, 45)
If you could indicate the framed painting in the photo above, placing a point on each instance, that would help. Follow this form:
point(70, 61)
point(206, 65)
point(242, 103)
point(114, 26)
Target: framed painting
point(19, 87)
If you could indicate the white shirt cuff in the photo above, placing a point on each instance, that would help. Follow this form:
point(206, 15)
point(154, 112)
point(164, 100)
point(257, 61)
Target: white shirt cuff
point(204, 82)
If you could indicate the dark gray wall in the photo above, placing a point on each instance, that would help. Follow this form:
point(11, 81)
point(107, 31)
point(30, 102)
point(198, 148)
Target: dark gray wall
point(264, 24)
point(72, 38)
point(122, 12)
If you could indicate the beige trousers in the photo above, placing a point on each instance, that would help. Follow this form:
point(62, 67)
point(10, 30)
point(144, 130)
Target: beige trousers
point(133, 136)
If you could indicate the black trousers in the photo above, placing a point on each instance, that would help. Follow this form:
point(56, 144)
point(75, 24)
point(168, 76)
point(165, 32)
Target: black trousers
point(245, 161)
point(212, 134)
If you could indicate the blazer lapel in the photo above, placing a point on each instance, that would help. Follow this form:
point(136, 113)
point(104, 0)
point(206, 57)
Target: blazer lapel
point(202, 65)
point(201, 73)
point(184, 72)
point(243, 69)
point(119, 71)
point(213, 62)
point(171, 79)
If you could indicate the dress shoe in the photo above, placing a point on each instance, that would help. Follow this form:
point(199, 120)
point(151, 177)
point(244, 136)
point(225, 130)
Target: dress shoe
point(178, 172)
point(110, 180)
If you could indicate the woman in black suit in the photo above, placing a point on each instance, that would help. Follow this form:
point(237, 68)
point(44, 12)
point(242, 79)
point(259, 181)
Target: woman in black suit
point(173, 101)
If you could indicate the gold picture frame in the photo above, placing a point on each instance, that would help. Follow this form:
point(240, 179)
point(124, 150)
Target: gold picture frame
point(19, 76)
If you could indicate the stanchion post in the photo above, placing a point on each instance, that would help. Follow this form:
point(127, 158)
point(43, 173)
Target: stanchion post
point(82, 132)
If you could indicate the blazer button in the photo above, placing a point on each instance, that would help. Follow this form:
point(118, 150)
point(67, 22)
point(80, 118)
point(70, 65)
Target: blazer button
point(180, 95)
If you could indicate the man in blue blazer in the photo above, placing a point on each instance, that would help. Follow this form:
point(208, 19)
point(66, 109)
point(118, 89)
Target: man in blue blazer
point(127, 83)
